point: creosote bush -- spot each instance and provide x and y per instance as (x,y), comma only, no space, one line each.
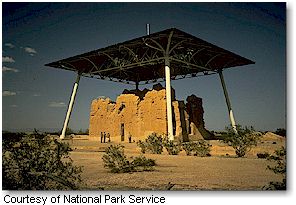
(279,158)
(264,155)
(37,162)
(173,148)
(281,132)
(115,160)
(152,144)
(155,143)
(141,163)
(242,141)
(142,146)
(199,148)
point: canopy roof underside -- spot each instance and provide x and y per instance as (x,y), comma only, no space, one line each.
(142,60)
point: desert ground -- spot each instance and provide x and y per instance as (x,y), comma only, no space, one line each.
(221,171)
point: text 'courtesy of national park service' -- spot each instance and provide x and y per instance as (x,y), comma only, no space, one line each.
(80,199)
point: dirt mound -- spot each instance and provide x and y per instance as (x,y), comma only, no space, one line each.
(269,136)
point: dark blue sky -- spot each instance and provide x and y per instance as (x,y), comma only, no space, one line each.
(33,34)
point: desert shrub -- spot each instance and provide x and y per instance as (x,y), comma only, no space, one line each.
(38,162)
(172,148)
(69,131)
(115,160)
(83,132)
(202,148)
(264,155)
(281,132)
(242,141)
(279,158)
(276,185)
(142,146)
(153,144)
(141,163)
(188,147)
(199,148)
(9,140)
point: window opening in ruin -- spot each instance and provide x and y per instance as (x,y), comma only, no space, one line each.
(122,106)
(122,131)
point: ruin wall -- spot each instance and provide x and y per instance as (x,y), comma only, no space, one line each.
(140,113)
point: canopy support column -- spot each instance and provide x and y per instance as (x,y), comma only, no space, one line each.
(169,99)
(137,85)
(70,106)
(230,112)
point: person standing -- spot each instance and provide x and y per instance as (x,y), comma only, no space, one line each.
(104,137)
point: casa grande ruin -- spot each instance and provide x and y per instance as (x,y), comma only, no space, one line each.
(163,56)
(137,114)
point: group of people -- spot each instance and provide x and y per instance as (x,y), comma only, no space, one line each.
(105,136)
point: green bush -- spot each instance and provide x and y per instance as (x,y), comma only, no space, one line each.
(153,144)
(188,148)
(264,155)
(142,146)
(37,162)
(242,141)
(199,148)
(279,158)
(83,132)
(172,148)
(141,163)
(115,160)
(281,132)
(69,131)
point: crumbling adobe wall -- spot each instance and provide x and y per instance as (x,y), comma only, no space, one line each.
(195,121)
(139,113)
(107,116)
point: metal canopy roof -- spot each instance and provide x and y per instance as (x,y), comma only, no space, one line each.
(141,60)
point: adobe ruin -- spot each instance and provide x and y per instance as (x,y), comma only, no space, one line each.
(139,113)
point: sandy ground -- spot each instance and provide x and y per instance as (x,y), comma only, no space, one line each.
(218,172)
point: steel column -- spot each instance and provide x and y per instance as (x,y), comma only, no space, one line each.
(137,85)
(230,112)
(169,99)
(148,28)
(70,106)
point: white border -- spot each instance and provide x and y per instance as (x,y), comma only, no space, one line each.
(213,197)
